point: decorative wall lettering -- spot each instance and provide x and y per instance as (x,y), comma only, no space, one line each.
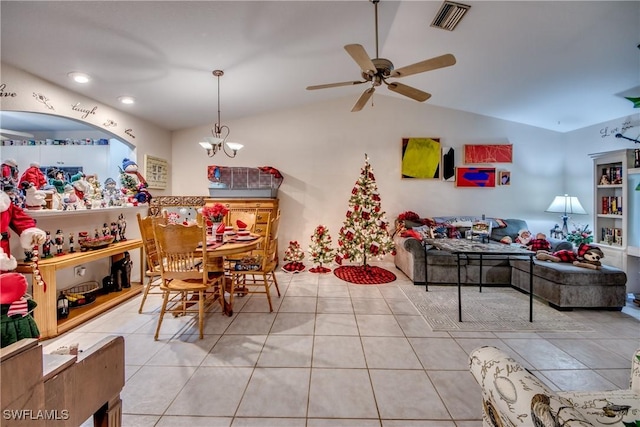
(43,99)
(86,111)
(110,124)
(624,126)
(6,94)
(130,133)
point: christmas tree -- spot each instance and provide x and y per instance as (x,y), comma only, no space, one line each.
(294,255)
(365,232)
(320,249)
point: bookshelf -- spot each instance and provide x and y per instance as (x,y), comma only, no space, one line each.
(612,199)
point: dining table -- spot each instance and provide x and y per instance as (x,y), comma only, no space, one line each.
(218,251)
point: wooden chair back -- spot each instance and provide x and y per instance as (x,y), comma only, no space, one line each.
(148,240)
(180,248)
(248,216)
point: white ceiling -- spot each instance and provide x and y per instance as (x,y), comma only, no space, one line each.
(560,65)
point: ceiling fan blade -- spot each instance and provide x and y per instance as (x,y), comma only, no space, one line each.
(426,65)
(409,91)
(361,57)
(363,99)
(328,85)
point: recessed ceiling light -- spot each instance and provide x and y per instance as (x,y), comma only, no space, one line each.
(79,77)
(127,99)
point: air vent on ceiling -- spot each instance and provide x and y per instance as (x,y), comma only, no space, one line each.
(449,15)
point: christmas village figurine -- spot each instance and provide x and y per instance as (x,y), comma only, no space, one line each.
(46,246)
(34,175)
(294,255)
(59,241)
(110,193)
(82,188)
(10,171)
(122,227)
(320,250)
(70,201)
(114,232)
(72,247)
(134,186)
(34,199)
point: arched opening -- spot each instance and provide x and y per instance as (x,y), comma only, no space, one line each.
(62,142)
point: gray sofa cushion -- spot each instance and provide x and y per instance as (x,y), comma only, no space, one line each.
(569,274)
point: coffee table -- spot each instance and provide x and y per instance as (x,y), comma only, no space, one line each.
(470,249)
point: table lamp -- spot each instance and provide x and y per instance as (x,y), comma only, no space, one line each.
(566,205)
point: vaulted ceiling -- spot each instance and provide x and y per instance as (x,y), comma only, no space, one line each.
(559,65)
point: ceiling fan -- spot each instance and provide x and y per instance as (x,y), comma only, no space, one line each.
(377,70)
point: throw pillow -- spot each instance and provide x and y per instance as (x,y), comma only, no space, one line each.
(411,233)
(424,231)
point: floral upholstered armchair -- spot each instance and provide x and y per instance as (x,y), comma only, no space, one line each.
(513,396)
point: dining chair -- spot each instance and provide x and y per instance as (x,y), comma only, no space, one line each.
(246,215)
(260,279)
(152,258)
(188,284)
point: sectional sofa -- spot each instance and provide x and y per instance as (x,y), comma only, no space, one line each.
(564,286)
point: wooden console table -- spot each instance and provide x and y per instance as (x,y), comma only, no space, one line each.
(45,313)
(62,390)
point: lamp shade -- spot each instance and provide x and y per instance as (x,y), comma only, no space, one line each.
(566,205)
(234,146)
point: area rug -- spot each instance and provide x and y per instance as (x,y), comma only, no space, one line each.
(493,309)
(361,275)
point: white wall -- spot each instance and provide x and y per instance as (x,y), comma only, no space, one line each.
(320,150)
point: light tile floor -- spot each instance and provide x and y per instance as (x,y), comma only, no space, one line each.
(336,354)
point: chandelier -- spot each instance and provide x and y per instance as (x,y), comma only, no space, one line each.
(218,141)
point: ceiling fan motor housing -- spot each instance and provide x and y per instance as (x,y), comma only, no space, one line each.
(384,67)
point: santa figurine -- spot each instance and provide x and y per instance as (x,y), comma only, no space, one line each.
(34,175)
(34,199)
(15,218)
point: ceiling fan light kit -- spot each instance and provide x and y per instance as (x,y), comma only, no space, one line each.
(218,142)
(376,71)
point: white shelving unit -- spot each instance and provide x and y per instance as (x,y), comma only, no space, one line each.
(617,224)
(611,205)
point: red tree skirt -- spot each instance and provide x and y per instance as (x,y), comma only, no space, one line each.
(294,267)
(319,269)
(364,275)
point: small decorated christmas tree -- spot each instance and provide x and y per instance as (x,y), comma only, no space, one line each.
(365,232)
(320,249)
(294,255)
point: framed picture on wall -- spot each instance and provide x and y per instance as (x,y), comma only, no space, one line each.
(488,153)
(156,172)
(421,158)
(475,177)
(504,178)
(448,164)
